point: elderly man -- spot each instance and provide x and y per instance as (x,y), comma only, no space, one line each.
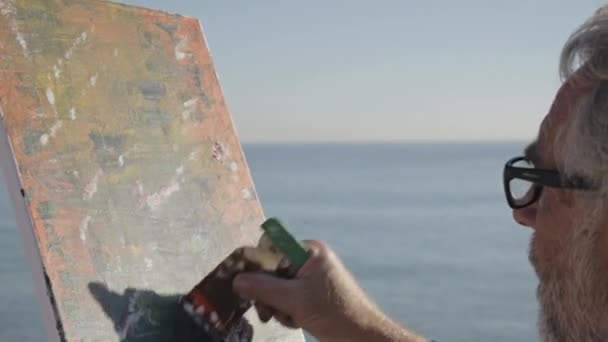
(559,189)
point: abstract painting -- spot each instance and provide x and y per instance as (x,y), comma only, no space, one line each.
(123,163)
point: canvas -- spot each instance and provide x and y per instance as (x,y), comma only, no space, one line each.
(125,170)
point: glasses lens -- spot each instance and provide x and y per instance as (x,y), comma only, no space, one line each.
(522,191)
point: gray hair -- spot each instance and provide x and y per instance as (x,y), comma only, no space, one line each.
(583,146)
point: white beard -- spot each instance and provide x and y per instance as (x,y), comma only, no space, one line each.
(574,298)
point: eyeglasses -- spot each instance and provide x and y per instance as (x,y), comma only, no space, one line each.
(524,183)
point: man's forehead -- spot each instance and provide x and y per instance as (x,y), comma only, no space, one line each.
(560,114)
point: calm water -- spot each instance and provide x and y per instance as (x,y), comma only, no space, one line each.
(425,229)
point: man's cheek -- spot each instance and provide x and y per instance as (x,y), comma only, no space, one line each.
(555,211)
(545,203)
(565,197)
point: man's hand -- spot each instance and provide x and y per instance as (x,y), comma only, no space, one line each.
(323,299)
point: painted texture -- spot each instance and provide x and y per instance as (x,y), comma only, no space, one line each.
(130,165)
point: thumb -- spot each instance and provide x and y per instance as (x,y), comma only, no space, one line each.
(266,289)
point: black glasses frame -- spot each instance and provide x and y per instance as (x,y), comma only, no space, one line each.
(539,178)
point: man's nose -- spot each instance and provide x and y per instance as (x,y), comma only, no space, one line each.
(525,216)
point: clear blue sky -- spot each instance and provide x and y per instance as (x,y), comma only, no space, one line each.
(386,70)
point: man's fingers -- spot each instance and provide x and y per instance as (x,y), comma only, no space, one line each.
(314,247)
(286,320)
(265,312)
(266,289)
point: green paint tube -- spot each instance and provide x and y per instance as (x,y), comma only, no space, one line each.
(285,242)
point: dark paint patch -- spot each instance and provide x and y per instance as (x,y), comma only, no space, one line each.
(197,78)
(205,185)
(107,150)
(31,140)
(46,210)
(170,29)
(107,160)
(39,14)
(218,152)
(152,41)
(106,141)
(153,90)
(198,117)
(158,64)
(209,101)
(70,176)
(154,117)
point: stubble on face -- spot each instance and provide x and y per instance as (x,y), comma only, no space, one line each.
(573,293)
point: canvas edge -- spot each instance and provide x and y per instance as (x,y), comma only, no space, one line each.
(124,6)
(25,226)
(298,332)
(241,150)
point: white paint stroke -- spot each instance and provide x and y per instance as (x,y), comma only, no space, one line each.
(68,53)
(149,263)
(179,53)
(91,189)
(246,194)
(192,156)
(189,107)
(190,103)
(93,80)
(140,188)
(115,52)
(44,139)
(234,167)
(56,71)
(121,160)
(78,41)
(156,199)
(55,128)
(73,113)
(7,9)
(84,227)
(50,96)
(21,40)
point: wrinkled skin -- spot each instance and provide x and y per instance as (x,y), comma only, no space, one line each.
(568,246)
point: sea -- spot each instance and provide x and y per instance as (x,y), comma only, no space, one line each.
(424,227)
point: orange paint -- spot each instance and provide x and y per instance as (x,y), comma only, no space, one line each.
(112,112)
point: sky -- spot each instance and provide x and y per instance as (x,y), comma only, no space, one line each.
(386,70)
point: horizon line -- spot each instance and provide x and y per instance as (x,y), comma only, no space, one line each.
(381,142)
